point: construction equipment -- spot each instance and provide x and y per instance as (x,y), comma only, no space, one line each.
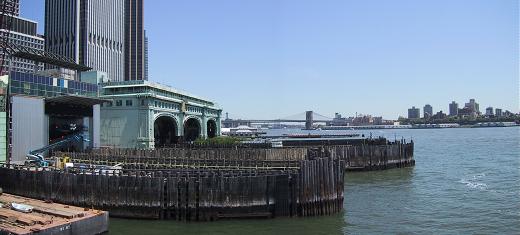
(62,162)
(36,157)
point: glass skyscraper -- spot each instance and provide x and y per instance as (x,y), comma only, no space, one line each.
(135,41)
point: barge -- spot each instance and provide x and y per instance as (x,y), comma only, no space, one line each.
(21,215)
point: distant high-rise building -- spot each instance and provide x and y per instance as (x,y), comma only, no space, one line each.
(23,34)
(489,111)
(145,56)
(414,113)
(498,112)
(91,32)
(135,63)
(473,106)
(454,109)
(427,111)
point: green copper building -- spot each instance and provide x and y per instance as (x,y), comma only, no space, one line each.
(144,114)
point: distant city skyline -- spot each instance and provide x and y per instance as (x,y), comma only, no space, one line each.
(270,59)
(453,110)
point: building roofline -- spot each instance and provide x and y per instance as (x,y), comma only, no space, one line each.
(141,83)
(26,35)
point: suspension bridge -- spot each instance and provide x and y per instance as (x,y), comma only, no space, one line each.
(307,117)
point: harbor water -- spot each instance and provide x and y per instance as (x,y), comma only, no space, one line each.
(465,181)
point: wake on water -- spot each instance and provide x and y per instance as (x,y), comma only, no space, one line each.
(473,182)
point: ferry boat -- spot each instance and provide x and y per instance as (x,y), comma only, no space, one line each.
(242,131)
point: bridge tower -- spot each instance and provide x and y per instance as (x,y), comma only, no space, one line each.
(308,120)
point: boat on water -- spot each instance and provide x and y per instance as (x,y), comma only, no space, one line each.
(242,131)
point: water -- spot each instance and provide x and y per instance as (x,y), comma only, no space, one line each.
(466,181)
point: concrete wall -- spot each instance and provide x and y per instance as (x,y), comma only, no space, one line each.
(30,126)
(119,127)
(96,126)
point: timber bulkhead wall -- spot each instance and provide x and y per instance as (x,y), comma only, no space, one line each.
(359,157)
(189,194)
(210,183)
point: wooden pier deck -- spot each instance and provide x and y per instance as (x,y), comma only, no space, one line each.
(49,218)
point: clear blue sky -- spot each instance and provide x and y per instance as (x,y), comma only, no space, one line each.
(275,58)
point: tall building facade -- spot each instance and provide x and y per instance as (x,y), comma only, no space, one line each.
(135,46)
(454,108)
(414,113)
(498,112)
(91,32)
(16,6)
(145,56)
(489,111)
(473,106)
(427,111)
(23,33)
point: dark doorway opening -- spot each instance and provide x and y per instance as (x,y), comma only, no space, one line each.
(212,129)
(191,129)
(62,128)
(165,131)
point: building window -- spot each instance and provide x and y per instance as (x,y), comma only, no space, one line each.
(142,102)
(128,102)
(119,103)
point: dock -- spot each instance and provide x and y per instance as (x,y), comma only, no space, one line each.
(49,218)
(189,188)
(207,183)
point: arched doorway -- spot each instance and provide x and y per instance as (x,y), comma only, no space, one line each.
(191,129)
(165,131)
(212,128)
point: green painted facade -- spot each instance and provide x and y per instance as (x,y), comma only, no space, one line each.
(130,119)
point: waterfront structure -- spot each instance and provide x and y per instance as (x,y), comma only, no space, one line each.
(454,109)
(144,114)
(23,34)
(45,109)
(498,112)
(80,30)
(414,113)
(242,131)
(435,126)
(494,124)
(489,111)
(135,46)
(243,181)
(427,111)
